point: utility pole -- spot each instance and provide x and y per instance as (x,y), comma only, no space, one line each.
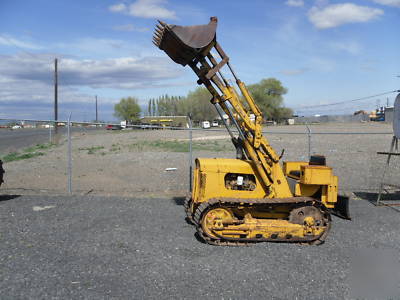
(55,96)
(378,104)
(97,116)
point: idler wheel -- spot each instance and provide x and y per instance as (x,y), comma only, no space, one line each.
(215,218)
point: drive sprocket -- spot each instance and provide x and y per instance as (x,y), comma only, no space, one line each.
(321,219)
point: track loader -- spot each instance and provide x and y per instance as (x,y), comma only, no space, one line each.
(251,198)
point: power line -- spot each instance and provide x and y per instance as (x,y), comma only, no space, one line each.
(347,101)
(15,45)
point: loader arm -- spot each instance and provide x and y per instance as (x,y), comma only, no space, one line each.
(193,46)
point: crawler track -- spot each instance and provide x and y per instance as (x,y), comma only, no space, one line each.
(1,172)
(186,205)
(292,203)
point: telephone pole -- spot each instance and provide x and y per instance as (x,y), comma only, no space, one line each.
(97,116)
(55,95)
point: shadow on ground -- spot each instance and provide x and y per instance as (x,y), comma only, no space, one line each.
(372,196)
(8,197)
(387,199)
(178,200)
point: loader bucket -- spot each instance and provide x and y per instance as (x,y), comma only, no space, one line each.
(341,208)
(184,43)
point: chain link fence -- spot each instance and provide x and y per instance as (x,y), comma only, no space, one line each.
(155,161)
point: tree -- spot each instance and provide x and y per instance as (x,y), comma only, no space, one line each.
(127,109)
(149,108)
(268,96)
(199,105)
(153,107)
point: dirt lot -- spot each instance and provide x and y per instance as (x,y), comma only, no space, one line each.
(134,162)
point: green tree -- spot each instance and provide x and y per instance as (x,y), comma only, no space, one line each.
(199,105)
(127,109)
(153,108)
(149,108)
(268,94)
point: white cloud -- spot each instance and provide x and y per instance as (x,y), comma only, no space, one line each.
(30,77)
(296,3)
(120,7)
(395,3)
(130,28)
(294,72)
(339,14)
(95,47)
(320,64)
(351,47)
(6,40)
(145,9)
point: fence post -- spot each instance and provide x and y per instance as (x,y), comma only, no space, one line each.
(50,137)
(309,140)
(190,153)
(69,154)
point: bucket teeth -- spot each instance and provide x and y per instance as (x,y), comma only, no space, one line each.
(160,28)
(157,41)
(159,33)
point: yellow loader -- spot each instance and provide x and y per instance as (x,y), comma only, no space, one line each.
(252,198)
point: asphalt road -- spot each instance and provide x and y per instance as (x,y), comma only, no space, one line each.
(15,139)
(97,248)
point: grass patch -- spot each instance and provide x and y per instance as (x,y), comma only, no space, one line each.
(13,156)
(38,147)
(27,153)
(180,146)
(115,147)
(91,150)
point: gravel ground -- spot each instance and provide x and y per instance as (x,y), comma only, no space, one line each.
(118,247)
(122,162)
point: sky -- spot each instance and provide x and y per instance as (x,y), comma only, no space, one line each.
(322,51)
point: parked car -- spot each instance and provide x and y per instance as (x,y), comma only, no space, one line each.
(16,127)
(113,127)
(205,124)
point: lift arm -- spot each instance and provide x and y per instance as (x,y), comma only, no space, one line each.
(193,46)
